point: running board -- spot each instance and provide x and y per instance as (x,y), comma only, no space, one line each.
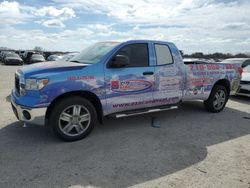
(145,112)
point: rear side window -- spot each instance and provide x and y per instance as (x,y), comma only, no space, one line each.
(137,54)
(163,54)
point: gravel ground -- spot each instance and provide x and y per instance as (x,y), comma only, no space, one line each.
(192,148)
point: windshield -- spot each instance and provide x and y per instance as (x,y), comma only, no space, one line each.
(94,53)
(247,69)
(12,55)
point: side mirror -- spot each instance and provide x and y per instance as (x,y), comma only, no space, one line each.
(119,61)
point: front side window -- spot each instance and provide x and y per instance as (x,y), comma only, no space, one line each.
(137,54)
(163,54)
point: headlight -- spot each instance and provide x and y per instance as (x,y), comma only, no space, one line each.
(35,84)
(21,84)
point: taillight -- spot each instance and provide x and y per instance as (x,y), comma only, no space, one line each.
(240,70)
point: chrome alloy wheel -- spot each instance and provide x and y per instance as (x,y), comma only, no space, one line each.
(219,99)
(74,120)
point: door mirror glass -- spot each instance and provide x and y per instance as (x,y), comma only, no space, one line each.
(119,61)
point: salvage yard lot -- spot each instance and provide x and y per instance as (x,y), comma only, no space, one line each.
(192,148)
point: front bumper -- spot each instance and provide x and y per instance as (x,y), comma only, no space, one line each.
(12,62)
(29,115)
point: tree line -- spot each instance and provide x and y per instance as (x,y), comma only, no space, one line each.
(216,55)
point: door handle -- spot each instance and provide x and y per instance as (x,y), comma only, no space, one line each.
(148,73)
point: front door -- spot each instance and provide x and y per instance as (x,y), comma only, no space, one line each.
(130,87)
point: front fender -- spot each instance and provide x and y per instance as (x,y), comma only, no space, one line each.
(91,84)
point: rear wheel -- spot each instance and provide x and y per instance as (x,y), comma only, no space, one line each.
(72,118)
(217,99)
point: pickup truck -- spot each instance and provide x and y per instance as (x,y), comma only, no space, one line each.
(117,79)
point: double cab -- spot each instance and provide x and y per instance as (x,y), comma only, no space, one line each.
(117,79)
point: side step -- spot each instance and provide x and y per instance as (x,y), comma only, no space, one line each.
(131,113)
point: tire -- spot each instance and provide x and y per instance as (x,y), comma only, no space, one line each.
(217,100)
(66,115)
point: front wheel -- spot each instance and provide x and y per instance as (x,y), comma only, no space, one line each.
(217,99)
(72,118)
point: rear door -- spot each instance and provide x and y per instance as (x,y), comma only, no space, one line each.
(169,79)
(130,87)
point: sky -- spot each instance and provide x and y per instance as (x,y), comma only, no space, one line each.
(71,25)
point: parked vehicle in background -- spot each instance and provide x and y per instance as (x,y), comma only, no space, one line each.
(243,61)
(27,56)
(21,52)
(117,79)
(54,57)
(68,56)
(12,59)
(36,58)
(3,54)
(244,88)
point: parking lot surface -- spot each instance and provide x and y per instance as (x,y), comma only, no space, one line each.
(192,148)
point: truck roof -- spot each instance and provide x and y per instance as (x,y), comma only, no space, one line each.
(140,41)
(156,41)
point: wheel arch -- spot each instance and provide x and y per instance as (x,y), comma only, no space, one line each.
(85,94)
(224,82)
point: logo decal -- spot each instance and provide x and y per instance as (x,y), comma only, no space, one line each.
(114,85)
(130,85)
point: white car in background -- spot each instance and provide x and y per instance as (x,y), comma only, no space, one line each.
(245,82)
(244,88)
(243,61)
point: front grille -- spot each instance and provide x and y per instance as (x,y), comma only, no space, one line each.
(244,82)
(17,84)
(16,61)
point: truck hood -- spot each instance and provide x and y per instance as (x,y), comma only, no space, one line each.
(50,67)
